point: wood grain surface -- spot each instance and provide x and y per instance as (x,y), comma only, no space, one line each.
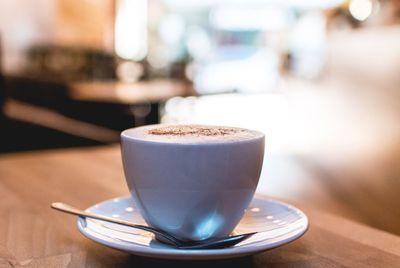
(33,235)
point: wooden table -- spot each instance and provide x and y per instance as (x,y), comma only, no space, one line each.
(153,91)
(33,235)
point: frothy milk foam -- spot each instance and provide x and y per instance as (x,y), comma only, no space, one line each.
(191,134)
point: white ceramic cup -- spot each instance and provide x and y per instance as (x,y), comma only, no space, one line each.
(193,191)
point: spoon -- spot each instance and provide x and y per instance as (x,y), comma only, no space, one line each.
(203,244)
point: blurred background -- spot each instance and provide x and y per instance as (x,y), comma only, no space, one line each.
(321,78)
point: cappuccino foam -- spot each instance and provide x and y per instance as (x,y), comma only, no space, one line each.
(191,133)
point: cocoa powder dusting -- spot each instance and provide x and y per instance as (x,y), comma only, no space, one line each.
(193,131)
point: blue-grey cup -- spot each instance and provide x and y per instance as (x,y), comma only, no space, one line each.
(194,189)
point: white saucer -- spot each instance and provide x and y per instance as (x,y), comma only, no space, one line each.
(276,223)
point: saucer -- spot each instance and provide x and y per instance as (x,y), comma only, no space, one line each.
(277,223)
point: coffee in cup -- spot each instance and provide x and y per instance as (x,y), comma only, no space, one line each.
(192,181)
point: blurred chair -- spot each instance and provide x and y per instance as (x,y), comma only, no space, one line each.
(44,110)
(64,63)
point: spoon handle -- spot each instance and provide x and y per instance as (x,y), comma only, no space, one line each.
(75,211)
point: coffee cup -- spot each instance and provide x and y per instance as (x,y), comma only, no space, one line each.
(192,181)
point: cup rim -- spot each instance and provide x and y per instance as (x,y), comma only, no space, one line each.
(124,136)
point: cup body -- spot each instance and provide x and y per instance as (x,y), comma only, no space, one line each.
(192,191)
